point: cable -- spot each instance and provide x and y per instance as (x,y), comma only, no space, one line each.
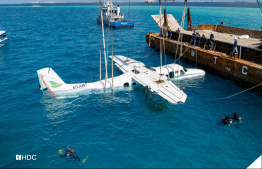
(139,30)
(128,30)
(240,92)
(151,51)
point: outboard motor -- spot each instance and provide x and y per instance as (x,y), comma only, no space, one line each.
(227,120)
(236,116)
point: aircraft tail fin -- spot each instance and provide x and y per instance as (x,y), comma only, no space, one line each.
(49,79)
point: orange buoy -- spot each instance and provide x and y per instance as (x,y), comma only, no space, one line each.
(183,88)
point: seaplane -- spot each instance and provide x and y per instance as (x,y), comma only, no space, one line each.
(135,73)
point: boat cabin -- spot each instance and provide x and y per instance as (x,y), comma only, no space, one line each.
(115,16)
(2,35)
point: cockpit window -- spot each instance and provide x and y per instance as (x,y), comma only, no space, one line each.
(171,75)
(185,70)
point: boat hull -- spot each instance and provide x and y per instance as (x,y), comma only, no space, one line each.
(123,24)
(2,43)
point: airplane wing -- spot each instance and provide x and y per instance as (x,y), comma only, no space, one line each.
(165,89)
(149,78)
(126,64)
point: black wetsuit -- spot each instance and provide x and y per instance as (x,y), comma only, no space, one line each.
(236,116)
(226,120)
(71,155)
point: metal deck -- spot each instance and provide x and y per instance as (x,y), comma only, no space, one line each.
(223,37)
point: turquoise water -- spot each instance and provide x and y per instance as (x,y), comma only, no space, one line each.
(123,129)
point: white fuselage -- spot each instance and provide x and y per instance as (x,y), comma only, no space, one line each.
(135,74)
(177,72)
(50,80)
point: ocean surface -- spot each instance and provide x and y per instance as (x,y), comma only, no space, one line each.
(122,129)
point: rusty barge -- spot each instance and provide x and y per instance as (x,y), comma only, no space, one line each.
(245,68)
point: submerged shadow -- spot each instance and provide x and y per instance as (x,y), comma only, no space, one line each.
(156,106)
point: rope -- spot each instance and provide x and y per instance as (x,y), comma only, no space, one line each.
(240,92)
(164,40)
(112,60)
(128,30)
(182,54)
(139,30)
(103,42)
(100,55)
(160,38)
(180,38)
(164,51)
(109,18)
(181,19)
(152,51)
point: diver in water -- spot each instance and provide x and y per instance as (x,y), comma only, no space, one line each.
(227,120)
(236,116)
(70,153)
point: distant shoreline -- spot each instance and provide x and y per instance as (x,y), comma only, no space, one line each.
(203,4)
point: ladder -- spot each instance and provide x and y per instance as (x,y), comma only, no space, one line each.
(259,4)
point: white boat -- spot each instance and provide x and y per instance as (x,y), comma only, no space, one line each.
(135,74)
(36,6)
(177,72)
(3,38)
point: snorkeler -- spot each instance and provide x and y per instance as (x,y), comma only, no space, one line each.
(226,120)
(70,153)
(236,116)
